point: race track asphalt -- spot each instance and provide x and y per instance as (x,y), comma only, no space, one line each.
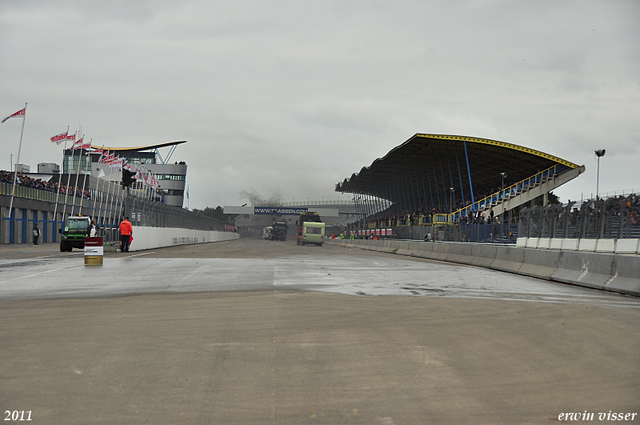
(259,332)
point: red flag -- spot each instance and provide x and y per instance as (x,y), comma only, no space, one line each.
(71,137)
(18,114)
(104,155)
(78,144)
(57,139)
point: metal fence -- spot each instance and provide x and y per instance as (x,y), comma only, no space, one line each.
(612,218)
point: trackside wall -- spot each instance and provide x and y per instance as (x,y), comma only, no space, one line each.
(159,237)
(606,271)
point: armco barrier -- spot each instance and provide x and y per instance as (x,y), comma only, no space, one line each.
(600,270)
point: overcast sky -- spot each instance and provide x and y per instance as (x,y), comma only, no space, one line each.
(284,99)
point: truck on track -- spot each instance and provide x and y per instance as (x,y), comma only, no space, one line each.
(279,232)
(310,229)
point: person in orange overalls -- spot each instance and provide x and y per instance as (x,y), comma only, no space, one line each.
(126,230)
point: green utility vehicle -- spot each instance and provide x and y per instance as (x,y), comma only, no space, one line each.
(73,234)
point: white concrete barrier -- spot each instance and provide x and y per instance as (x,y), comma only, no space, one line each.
(544,243)
(570,244)
(159,237)
(628,246)
(587,245)
(532,243)
(606,245)
(555,243)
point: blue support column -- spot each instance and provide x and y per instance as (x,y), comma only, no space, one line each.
(460,178)
(44,227)
(466,155)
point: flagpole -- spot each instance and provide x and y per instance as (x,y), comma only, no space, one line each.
(55,210)
(15,173)
(75,187)
(66,191)
(93,212)
(84,181)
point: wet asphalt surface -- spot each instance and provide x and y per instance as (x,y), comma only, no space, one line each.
(28,272)
(253,332)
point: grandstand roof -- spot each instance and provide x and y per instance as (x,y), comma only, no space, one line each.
(422,170)
(141,148)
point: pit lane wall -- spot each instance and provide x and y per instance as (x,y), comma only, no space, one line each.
(609,271)
(160,237)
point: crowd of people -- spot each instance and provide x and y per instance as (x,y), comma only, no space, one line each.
(26,181)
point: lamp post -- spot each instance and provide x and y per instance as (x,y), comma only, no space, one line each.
(504,176)
(453,202)
(599,154)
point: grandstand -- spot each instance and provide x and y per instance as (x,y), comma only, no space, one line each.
(435,179)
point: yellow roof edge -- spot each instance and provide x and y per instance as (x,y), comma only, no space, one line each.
(500,144)
(141,148)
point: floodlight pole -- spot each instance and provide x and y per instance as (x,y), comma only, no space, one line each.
(599,153)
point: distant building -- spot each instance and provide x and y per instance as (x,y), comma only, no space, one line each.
(48,168)
(23,168)
(172,176)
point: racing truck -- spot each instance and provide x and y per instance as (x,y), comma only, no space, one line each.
(279,230)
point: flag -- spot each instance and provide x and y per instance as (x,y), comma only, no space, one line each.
(71,137)
(57,139)
(80,144)
(18,114)
(104,156)
(98,150)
